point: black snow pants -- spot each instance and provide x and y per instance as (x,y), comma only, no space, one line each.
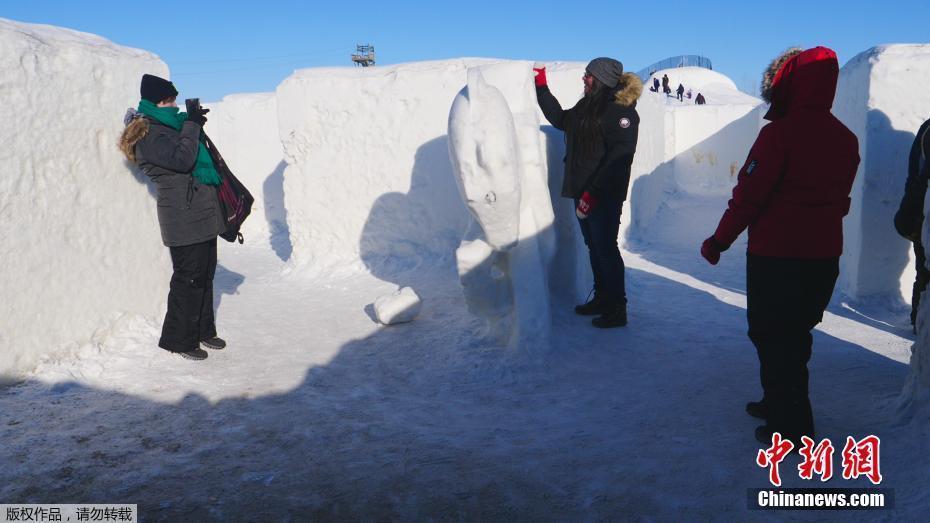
(920,283)
(190,301)
(786,298)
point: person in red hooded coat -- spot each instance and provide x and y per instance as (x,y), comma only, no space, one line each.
(792,193)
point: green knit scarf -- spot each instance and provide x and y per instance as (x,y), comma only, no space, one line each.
(204,170)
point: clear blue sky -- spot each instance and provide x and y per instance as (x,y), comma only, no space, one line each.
(216,48)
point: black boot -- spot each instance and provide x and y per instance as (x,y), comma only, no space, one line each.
(196,354)
(213,343)
(596,306)
(757,409)
(613,316)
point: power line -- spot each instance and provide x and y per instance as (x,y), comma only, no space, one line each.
(219,71)
(260,58)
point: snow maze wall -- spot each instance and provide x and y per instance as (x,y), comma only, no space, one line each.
(81,243)
(352,169)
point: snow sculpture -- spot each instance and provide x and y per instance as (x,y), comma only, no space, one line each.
(499,166)
(485,160)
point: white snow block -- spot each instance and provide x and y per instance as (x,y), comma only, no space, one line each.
(877,99)
(245,128)
(400,307)
(81,241)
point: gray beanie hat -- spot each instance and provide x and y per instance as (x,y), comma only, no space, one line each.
(607,70)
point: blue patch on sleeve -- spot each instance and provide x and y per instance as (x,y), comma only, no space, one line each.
(751,167)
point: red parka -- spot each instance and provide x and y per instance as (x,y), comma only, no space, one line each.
(793,191)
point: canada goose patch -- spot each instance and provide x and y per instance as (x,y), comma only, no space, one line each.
(624,122)
(751,167)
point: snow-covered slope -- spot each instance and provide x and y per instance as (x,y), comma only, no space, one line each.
(81,241)
(688,157)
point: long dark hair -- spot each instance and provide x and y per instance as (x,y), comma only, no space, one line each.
(590,110)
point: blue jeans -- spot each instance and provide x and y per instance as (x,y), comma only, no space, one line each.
(600,230)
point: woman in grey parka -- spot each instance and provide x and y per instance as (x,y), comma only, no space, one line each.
(166,145)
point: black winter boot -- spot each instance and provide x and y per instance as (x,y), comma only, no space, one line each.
(596,306)
(213,343)
(757,409)
(194,354)
(613,316)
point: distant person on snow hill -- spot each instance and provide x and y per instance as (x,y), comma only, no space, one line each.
(655,84)
(688,93)
(700,99)
(680,92)
(601,131)
(909,219)
(166,145)
(665,87)
(792,194)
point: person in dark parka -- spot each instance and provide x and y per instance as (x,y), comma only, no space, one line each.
(680,92)
(601,132)
(665,86)
(655,84)
(700,100)
(166,145)
(909,219)
(792,194)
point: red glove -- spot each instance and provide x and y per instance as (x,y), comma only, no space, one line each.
(540,73)
(586,204)
(711,250)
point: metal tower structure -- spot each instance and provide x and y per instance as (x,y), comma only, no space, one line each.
(364,55)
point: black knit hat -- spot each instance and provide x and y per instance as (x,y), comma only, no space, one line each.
(607,70)
(155,89)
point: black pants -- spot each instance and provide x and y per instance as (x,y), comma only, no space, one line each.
(600,230)
(920,283)
(786,298)
(190,301)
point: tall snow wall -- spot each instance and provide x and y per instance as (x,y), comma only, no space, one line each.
(81,241)
(881,98)
(245,129)
(368,178)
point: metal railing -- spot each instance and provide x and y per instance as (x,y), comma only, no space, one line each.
(688,60)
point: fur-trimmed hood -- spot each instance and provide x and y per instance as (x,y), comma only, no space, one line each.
(800,79)
(136,129)
(768,76)
(629,89)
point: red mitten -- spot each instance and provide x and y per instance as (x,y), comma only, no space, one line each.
(711,250)
(540,73)
(586,204)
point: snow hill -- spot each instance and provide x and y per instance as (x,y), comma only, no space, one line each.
(495,402)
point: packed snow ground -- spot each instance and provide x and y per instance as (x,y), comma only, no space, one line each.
(316,410)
